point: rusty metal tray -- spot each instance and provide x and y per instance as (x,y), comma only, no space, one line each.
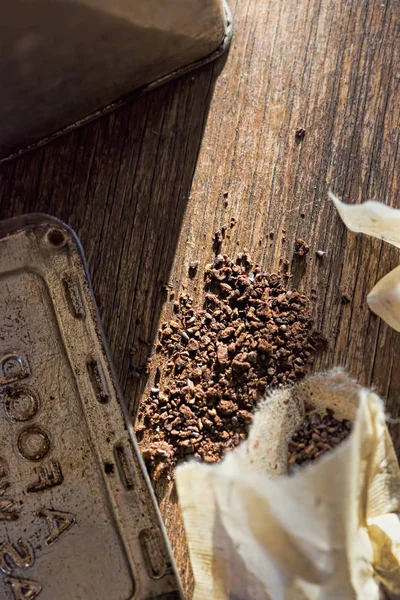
(78,518)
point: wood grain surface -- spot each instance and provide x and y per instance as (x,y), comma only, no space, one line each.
(130,186)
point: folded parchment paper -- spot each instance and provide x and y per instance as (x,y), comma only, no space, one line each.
(329,531)
(383,222)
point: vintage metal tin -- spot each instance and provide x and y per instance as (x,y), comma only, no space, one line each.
(65,63)
(78,518)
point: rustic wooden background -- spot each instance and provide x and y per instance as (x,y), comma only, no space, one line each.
(130,186)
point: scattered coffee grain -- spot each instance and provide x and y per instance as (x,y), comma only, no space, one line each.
(317,435)
(301,248)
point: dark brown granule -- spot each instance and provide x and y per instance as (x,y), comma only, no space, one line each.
(346,298)
(301,248)
(317,435)
(285,265)
(193,266)
(218,238)
(216,363)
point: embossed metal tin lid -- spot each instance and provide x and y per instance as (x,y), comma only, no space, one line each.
(78,518)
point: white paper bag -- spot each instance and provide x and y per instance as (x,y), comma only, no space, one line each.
(330,531)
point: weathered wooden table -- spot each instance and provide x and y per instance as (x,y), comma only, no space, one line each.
(130,186)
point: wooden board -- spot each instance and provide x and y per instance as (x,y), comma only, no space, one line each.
(125,183)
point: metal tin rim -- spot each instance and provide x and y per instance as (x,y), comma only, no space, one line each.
(11,227)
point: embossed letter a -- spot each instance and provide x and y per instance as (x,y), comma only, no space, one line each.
(23,588)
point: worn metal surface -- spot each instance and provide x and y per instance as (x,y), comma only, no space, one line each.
(65,63)
(77,517)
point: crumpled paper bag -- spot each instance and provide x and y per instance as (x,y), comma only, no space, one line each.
(329,531)
(383,222)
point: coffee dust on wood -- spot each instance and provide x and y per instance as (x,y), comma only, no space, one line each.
(216,363)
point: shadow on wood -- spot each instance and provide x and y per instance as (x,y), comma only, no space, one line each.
(123,184)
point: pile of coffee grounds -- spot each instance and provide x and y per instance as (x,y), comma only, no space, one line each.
(317,435)
(216,363)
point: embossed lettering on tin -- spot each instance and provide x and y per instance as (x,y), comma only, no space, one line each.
(7,510)
(57,522)
(23,589)
(18,555)
(13,367)
(20,403)
(33,443)
(48,476)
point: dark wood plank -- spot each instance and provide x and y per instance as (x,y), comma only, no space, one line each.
(125,184)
